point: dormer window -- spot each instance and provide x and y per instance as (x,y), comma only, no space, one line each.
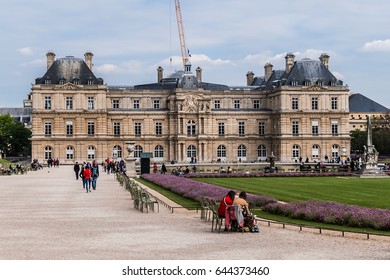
(90,81)
(294,83)
(47,82)
(76,81)
(62,81)
(307,83)
(320,83)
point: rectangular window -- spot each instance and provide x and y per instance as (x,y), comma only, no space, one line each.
(334,103)
(335,128)
(115,104)
(294,103)
(90,82)
(261,128)
(69,128)
(137,128)
(256,104)
(314,128)
(158,128)
(136,103)
(295,128)
(47,128)
(217,104)
(69,103)
(117,128)
(156,104)
(91,102)
(241,128)
(236,104)
(314,103)
(48,102)
(91,128)
(221,129)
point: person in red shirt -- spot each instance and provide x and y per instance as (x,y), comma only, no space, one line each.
(87,178)
(227,200)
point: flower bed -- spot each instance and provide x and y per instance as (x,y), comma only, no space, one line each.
(197,190)
(333,213)
(315,211)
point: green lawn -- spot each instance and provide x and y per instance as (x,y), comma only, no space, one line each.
(373,193)
(185,202)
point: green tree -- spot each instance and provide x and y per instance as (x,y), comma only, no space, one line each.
(14,137)
(358,140)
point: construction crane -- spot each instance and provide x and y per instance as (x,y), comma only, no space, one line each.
(184,50)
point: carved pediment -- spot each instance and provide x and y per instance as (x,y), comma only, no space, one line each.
(68,86)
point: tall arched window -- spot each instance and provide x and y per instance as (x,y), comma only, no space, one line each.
(138,150)
(221,151)
(335,151)
(315,151)
(241,151)
(48,152)
(295,151)
(191,152)
(159,151)
(262,152)
(191,128)
(91,153)
(117,152)
(69,152)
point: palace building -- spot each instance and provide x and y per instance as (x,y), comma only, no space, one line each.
(298,112)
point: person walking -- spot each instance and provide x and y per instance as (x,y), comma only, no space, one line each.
(163,169)
(76,169)
(87,178)
(95,174)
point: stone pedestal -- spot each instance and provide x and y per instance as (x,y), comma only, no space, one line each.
(370,167)
(130,160)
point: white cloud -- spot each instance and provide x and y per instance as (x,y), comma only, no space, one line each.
(26,51)
(377,46)
(106,68)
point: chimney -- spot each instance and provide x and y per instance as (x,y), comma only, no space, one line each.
(325,59)
(50,59)
(249,78)
(199,74)
(267,71)
(88,59)
(289,62)
(160,72)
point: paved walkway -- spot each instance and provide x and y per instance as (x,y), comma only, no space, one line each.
(47,215)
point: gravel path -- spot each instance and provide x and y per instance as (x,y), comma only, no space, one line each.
(47,215)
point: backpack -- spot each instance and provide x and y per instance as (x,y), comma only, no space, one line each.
(95,172)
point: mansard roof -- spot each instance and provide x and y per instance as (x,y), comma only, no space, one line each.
(308,70)
(304,72)
(69,69)
(360,103)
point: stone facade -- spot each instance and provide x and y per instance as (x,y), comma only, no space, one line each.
(182,119)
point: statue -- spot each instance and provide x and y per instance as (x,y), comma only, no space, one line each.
(130,160)
(371,155)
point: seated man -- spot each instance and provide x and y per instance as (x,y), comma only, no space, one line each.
(241,200)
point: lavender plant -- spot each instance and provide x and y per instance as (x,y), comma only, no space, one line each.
(197,190)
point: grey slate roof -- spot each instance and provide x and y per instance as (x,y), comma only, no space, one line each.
(309,70)
(303,72)
(361,103)
(68,69)
(16,111)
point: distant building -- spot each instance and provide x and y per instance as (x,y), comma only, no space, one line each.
(298,112)
(360,107)
(22,115)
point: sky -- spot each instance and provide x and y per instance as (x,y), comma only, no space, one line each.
(130,39)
